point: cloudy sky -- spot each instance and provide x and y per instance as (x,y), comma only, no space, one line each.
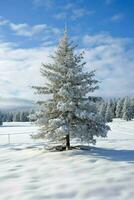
(30,30)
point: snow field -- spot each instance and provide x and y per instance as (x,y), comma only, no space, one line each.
(104,172)
(19,132)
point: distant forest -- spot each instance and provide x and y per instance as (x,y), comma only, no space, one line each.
(108,109)
(16,116)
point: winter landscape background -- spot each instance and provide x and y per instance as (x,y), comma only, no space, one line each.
(72,110)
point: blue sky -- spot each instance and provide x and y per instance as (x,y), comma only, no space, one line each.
(30,30)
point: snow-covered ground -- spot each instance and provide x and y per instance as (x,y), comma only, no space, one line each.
(19,132)
(104,172)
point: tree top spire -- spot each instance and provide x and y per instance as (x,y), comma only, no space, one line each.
(65,27)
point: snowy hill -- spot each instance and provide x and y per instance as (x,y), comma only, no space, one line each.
(104,172)
(14,103)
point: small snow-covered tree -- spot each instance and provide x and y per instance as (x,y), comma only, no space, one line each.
(69,111)
(119,108)
(127,109)
(102,109)
(109,112)
(132,107)
(1,119)
(32,116)
(24,116)
(112,105)
(16,117)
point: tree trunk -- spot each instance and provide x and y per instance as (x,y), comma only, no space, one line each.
(67,142)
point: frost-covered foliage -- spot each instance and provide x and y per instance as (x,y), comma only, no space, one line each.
(109,115)
(132,107)
(0,118)
(102,109)
(113,103)
(127,109)
(119,108)
(107,110)
(15,116)
(70,111)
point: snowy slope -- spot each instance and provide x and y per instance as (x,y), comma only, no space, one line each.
(15,103)
(104,172)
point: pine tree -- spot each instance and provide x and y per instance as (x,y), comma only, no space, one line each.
(127,112)
(119,108)
(132,107)
(32,116)
(102,109)
(16,117)
(109,112)
(1,119)
(114,104)
(69,112)
(112,108)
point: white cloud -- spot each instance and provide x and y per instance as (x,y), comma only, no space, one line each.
(71,10)
(68,6)
(114,63)
(27,30)
(74,14)
(117,17)
(60,15)
(24,29)
(80,12)
(103,38)
(3,21)
(20,69)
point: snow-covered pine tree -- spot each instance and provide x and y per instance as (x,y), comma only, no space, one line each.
(1,119)
(132,105)
(111,102)
(16,116)
(114,104)
(9,117)
(119,108)
(127,109)
(32,116)
(109,112)
(102,109)
(69,112)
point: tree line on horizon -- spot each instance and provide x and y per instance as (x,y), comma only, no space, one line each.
(15,116)
(117,108)
(109,109)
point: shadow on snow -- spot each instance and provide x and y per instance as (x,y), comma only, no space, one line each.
(105,153)
(121,155)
